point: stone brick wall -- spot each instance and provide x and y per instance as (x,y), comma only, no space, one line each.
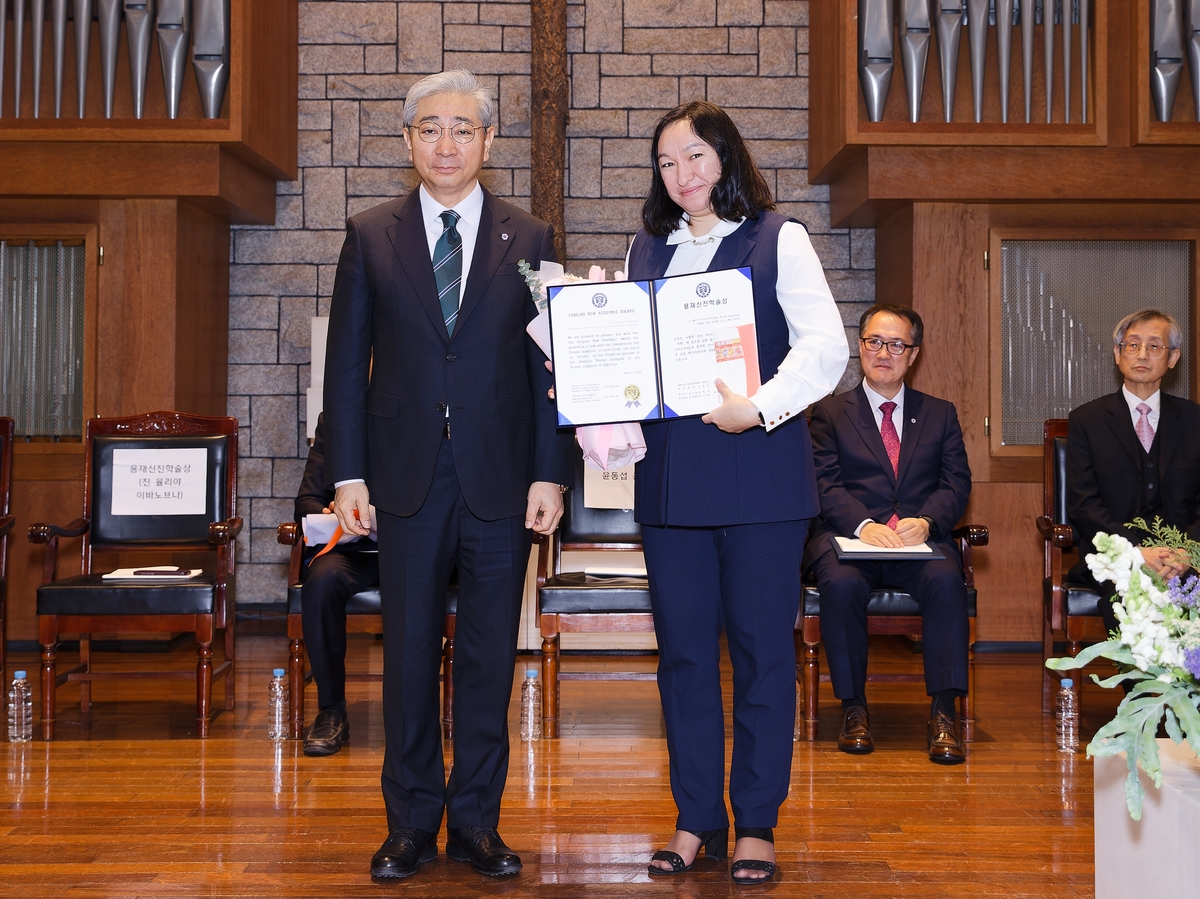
(629,59)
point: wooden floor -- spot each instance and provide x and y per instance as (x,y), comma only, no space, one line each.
(135,806)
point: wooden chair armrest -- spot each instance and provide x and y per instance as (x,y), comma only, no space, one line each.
(545,547)
(6,525)
(288,533)
(1059,535)
(44,532)
(973,534)
(222,533)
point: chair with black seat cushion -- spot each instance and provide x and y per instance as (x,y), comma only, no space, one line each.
(364,615)
(6,525)
(159,485)
(1068,607)
(580,603)
(889,611)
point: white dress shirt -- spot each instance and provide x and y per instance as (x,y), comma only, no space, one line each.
(1154,401)
(876,400)
(819,352)
(469,210)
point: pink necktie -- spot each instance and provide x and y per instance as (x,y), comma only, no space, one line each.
(891,443)
(1145,432)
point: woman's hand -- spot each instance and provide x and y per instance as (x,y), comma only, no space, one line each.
(735,414)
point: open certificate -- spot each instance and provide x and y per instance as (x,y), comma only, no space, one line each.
(641,350)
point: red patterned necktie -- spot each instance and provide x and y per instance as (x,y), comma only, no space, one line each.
(891,443)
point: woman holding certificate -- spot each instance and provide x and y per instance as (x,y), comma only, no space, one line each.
(724,499)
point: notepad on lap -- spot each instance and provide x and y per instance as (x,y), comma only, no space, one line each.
(851,548)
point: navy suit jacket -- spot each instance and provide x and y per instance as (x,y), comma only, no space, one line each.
(1104,468)
(385,423)
(855,479)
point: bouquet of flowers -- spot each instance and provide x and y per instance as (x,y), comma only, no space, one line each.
(1156,648)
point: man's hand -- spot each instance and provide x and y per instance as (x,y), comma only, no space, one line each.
(881,535)
(352,506)
(912,531)
(545,507)
(1166,562)
(735,414)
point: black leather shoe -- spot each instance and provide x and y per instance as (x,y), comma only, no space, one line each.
(855,737)
(945,745)
(329,732)
(483,848)
(403,852)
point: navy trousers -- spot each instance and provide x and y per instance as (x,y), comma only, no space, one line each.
(745,578)
(416,555)
(940,593)
(331,581)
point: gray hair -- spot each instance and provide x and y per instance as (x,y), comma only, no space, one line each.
(1174,339)
(457,81)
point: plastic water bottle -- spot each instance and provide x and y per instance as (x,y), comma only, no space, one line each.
(531,707)
(277,706)
(20,710)
(1067,718)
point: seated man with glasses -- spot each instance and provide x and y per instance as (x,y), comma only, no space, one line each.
(1134,453)
(891,470)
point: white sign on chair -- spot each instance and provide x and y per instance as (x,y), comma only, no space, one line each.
(159,481)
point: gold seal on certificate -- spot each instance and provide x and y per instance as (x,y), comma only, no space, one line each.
(632,395)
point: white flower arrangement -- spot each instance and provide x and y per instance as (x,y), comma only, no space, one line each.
(1156,649)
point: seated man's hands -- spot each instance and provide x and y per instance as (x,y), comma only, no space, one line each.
(909,532)
(1166,562)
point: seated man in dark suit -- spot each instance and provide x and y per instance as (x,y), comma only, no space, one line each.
(331,580)
(1134,453)
(891,470)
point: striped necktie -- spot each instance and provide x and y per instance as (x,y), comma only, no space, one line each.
(447,268)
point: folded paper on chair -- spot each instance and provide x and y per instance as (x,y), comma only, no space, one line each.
(319,528)
(153,573)
(851,548)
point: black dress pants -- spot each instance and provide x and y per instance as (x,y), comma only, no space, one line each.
(330,582)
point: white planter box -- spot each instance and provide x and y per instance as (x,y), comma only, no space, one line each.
(1155,856)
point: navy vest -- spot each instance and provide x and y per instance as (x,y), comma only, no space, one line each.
(696,475)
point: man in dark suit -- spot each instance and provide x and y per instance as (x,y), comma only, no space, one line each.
(437,412)
(891,470)
(1133,453)
(329,582)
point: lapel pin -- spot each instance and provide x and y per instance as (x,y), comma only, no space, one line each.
(912,421)
(504,236)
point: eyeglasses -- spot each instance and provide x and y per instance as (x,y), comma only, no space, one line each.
(1132,348)
(895,347)
(460,132)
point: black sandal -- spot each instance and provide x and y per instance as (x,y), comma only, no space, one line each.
(715,844)
(753,864)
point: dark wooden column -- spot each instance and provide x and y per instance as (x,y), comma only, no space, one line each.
(548,101)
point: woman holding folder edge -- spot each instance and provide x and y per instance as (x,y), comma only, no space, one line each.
(724,500)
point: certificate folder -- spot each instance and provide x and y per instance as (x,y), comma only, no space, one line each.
(848,549)
(627,351)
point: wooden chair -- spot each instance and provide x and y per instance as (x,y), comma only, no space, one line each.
(1069,608)
(6,525)
(889,611)
(364,615)
(88,603)
(572,602)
